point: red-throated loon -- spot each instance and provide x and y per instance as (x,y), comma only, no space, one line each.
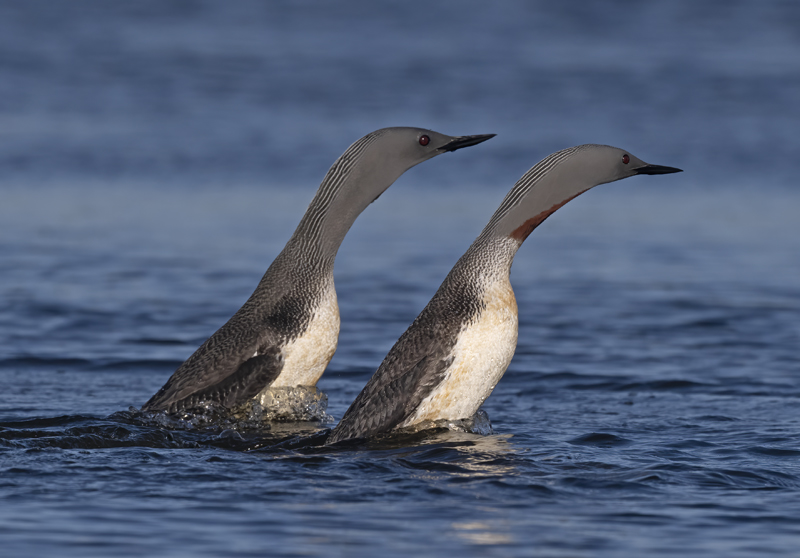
(449,360)
(287,331)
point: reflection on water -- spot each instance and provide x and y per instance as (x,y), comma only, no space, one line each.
(483,533)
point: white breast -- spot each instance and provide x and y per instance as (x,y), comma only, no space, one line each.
(306,357)
(482,353)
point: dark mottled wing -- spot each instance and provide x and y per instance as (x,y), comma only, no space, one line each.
(260,327)
(245,383)
(220,363)
(413,368)
(417,363)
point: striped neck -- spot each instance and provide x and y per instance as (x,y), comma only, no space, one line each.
(487,260)
(538,194)
(535,196)
(339,200)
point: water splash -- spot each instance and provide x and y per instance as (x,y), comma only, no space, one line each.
(290,404)
(478,423)
(276,405)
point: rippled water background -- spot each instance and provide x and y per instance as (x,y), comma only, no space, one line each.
(154,157)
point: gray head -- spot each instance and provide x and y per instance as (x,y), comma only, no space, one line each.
(368,168)
(557,179)
(380,158)
(390,152)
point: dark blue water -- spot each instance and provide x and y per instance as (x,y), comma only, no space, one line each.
(154,158)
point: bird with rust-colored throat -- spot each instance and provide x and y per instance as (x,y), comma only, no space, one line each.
(449,360)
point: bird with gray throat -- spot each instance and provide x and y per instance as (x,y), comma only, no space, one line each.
(287,331)
(449,360)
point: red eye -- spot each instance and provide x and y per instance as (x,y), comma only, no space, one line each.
(626,159)
(424,140)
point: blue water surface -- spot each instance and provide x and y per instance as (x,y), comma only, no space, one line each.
(156,156)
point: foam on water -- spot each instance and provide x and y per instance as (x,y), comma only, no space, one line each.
(291,404)
(283,404)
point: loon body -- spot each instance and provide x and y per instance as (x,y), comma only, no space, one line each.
(449,360)
(287,331)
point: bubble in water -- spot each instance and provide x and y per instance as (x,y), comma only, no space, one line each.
(291,404)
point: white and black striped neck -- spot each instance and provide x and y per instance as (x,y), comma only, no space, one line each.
(557,179)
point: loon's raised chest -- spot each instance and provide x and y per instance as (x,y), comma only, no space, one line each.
(481,356)
(307,356)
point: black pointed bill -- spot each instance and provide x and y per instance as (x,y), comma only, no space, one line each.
(656,169)
(465,141)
